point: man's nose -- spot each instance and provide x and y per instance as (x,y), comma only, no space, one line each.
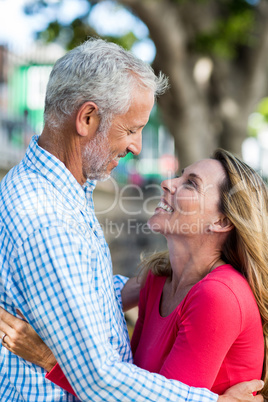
(136,144)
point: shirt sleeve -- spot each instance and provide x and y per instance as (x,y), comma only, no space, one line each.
(53,271)
(209,324)
(119,283)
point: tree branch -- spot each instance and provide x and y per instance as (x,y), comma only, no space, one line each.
(170,37)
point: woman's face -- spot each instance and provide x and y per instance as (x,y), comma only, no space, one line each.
(189,205)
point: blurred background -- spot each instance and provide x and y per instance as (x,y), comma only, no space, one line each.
(215,53)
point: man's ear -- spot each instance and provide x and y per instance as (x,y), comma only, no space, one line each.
(222,225)
(87,119)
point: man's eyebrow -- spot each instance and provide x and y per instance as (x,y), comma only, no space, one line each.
(192,175)
(137,127)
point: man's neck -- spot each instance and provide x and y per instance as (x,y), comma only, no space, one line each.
(66,147)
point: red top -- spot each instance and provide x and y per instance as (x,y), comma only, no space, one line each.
(213,339)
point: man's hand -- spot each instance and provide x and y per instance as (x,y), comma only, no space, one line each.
(242,392)
(21,339)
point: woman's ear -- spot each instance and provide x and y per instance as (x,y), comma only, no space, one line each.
(222,225)
(87,119)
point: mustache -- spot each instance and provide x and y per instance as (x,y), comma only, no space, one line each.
(123,154)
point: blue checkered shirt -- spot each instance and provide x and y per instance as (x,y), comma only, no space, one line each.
(56,268)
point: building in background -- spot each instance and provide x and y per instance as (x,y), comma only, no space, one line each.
(23,78)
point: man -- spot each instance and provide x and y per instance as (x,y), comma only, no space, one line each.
(56,265)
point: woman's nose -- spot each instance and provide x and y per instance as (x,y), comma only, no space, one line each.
(169,185)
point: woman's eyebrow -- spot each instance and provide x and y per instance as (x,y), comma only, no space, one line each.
(193,175)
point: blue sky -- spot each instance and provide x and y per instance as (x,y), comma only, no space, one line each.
(17,29)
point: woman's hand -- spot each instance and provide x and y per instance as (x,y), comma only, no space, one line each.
(21,339)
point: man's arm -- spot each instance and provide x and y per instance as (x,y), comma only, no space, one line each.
(21,339)
(64,301)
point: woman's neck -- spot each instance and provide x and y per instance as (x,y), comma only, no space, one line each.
(187,269)
(191,262)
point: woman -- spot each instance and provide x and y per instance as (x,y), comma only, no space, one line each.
(203,312)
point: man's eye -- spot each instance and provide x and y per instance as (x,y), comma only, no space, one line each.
(131,132)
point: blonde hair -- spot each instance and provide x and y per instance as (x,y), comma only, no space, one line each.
(244,201)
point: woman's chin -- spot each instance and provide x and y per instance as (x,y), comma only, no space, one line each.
(154,225)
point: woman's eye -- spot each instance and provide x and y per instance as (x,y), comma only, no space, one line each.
(191,183)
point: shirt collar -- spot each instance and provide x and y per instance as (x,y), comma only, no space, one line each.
(38,159)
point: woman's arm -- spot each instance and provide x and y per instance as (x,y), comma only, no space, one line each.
(19,332)
(139,323)
(21,339)
(130,293)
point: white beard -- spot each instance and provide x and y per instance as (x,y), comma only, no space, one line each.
(96,157)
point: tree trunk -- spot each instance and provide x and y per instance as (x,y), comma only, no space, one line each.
(202,118)
(233,36)
(192,131)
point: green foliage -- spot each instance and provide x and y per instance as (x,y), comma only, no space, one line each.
(263,108)
(78,31)
(71,35)
(233,22)
(227,35)
(51,33)
(259,119)
(256,122)
(126,41)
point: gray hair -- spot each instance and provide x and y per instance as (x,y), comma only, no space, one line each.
(100,72)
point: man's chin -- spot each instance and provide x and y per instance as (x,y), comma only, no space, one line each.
(103,176)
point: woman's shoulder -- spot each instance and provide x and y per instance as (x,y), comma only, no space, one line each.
(155,280)
(225,295)
(226,286)
(229,276)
